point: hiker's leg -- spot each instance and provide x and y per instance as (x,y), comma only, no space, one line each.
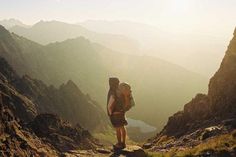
(123,134)
(118,134)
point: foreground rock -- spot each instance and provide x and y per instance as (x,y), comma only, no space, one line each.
(133,151)
(61,134)
(130,151)
(16,140)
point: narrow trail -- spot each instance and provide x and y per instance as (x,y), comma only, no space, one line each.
(129,151)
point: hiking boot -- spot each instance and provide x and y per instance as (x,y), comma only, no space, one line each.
(118,146)
(123,145)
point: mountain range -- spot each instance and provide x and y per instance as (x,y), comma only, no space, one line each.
(193,50)
(90,65)
(134,38)
(8,23)
(41,115)
(49,99)
(45,32)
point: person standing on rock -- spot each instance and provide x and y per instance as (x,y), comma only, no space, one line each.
(119,100)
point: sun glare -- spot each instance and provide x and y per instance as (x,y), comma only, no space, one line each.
(179,6)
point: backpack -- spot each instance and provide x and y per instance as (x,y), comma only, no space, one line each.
(132,104)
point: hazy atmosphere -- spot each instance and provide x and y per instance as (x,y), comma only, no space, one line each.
(117,77)
(156,24)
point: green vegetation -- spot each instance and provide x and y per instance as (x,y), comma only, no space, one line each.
(106,138)
(220,144)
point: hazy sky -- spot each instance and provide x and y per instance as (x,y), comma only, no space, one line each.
(213,17)
(211,20)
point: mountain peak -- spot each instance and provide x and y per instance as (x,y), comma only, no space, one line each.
(70,86)
(8,23)
(70,83)
(46,23)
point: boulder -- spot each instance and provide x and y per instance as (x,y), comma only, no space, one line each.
(147,145)
(61,134)
(130,151)
(103,151)
(210,131)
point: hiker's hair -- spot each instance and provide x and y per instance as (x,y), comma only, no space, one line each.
(113,83)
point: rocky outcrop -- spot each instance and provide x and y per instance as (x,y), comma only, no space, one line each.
(222,86)
(133,151)
(205,116)
(20,105)
(218,105)
(15,111)
(190,119)
(67,100)
(61,134)
(25,132)
(17,141)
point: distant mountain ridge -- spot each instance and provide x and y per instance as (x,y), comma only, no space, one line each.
(89,65)
(193,50)
(65,101)
(8,23)
(135,38)
(45,32)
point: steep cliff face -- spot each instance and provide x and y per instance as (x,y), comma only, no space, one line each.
(218,105)
(190,119)
(206,116)
(222,86)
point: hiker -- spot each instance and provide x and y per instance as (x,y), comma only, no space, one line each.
(119,100)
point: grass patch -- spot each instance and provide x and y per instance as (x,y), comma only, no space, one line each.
(220,144)
(106,138)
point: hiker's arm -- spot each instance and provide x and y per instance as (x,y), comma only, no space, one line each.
(111,104)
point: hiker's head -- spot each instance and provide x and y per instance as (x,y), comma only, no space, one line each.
(125,88)
(113,83)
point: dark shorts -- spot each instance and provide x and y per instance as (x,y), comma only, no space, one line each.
(118,120)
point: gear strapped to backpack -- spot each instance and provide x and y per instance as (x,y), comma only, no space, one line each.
(126,86)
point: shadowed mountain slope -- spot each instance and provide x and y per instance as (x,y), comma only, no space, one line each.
(25,132)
